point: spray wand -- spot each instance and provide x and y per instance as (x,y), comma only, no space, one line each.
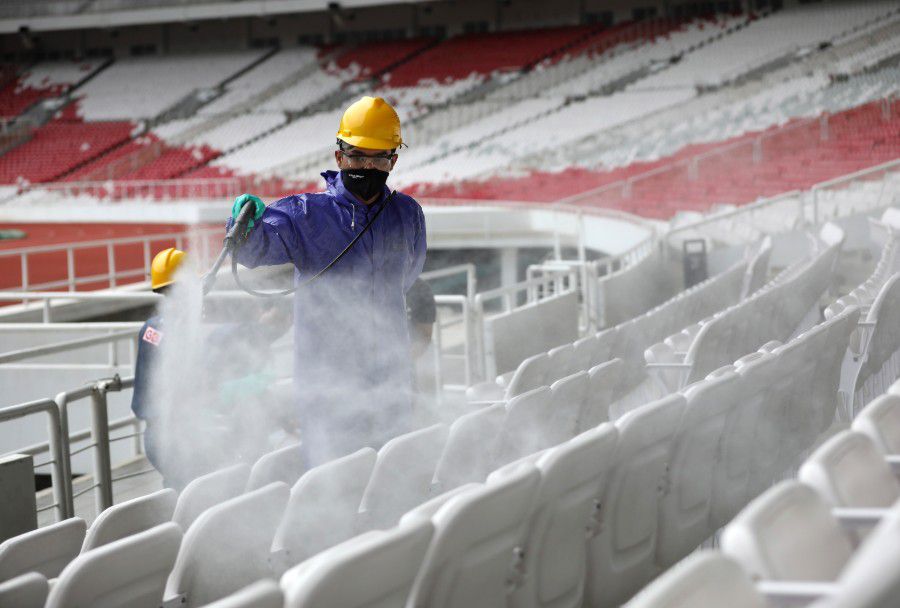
(234,238)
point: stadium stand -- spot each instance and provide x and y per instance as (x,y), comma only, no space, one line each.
(631,421)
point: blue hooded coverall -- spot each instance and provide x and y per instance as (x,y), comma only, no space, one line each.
(352,365)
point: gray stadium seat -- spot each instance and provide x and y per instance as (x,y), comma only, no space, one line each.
(207,491)
(788,534)
(402,476)
(477,544)
(261,594)
(375,569)
(323,506)
(228,547)
(849,471)
(702,580)
(24,591)
(880,421)
(573,478)
(532,373)
(686,508)
(130,517)
(525,429)
(129,572)
(622,547)
(285,464)
(871,579)
(603,390)
(46,550)
(569,397)
(469,452)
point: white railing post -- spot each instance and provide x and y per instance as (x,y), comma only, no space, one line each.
(70,267)
(111,264)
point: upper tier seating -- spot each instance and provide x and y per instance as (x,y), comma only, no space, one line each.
(460,56)
(136,88)
(373,58)
(60,146)
(271,72)
(768,39)
(41,81)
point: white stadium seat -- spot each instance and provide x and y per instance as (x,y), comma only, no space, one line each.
(286,464)
(525,429)
(849,471)
(207,491)
(323,506)
(573,478)
(46,550)
(622,546)
(402,476)
(469,451)
(702,580)
(130,517)
(228,547)
(261,594)
(880,421)
(24,591)
(477,544)
(569,396)
(131,571)
(375,569)
(788,534)
(685,513)
(871,579)
(603,388)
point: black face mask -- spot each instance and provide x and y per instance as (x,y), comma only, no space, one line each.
(364,183)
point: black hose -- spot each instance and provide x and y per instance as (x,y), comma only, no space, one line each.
(235,245)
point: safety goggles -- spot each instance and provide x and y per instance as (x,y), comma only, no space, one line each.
(382,162)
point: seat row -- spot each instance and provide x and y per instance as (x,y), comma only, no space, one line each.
(629,339)
(828,538)
(773,313)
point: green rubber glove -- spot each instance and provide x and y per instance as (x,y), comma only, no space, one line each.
(242,200)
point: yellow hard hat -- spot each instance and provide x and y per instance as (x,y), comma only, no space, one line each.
(371,123)
(164,266)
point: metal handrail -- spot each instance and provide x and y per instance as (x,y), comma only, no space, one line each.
(61,347)
(57,445)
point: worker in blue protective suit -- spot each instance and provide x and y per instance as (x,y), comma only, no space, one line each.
(352,364)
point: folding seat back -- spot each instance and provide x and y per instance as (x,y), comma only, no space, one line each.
(323,506)
(622,546)
(701,580)
(582,359)
(261,594)
(130,517)
(207,491)
(603,388)
(227,547)
(402,477)
(532,373)
(871,579)
(375,569)
(604,345)
(569,398)
(477,545)
(470,448)
(788,534)
(285,464)
(130,572)
(686,508)
(880,421)
(524,431)
(573,477)
(24,591)
(46,550)
(768,391)
(884,342)
(849,471)
(562,362)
